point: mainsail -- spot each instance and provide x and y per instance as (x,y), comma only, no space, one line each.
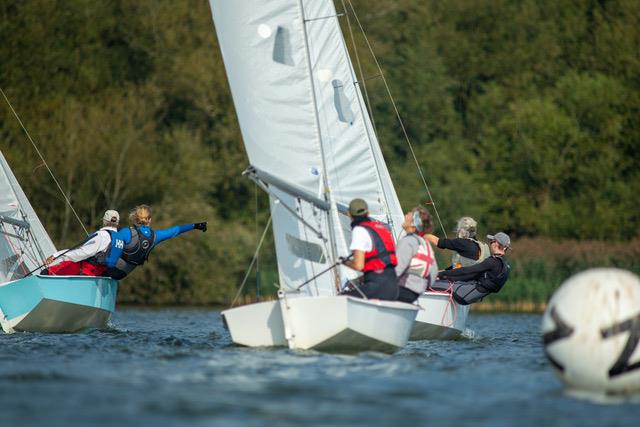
(24,243)
(304,124)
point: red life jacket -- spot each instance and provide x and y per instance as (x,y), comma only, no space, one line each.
(383,254)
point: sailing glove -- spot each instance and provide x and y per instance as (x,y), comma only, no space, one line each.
(200,226)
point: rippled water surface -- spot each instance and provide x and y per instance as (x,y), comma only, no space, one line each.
(178,367)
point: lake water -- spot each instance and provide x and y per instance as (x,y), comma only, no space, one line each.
(177,367)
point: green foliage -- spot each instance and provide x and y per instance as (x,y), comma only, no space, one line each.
(522,114)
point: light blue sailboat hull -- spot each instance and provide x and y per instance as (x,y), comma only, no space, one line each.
(57,303)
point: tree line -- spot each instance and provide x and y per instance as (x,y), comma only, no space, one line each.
(522,114)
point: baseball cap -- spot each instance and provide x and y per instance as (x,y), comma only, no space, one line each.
(500,237)
(111,216)
(358,207)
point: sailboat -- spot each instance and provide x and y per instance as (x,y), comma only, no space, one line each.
(35,303)
(312,148)
(441,318)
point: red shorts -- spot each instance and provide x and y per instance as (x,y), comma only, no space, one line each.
(71,268)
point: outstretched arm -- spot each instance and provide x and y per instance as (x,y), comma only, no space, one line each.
(468,273)
(431,239)
(162,235)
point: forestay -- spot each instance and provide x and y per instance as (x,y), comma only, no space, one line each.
(24,243)
(304,123)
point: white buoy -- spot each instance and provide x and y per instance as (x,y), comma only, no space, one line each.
(592,331)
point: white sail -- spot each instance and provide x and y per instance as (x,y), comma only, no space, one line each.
(303,121)
(24,243)
(355,165)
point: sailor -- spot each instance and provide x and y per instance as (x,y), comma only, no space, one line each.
(140,239)
(373,252)
(467,250)
(471,284)
(98,252)
(415,255)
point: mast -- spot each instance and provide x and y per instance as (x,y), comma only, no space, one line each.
(325,181)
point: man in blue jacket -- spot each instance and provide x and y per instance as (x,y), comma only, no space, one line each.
(140,239)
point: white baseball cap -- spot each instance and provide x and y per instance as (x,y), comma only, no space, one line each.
(111,216)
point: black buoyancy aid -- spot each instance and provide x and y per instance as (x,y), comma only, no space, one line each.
(383,254)
(495,283)
(137,251)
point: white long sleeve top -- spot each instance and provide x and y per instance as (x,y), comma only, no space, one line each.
(98,243)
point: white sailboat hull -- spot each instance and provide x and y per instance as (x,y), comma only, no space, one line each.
(256,325)
(441,317)
(346,324)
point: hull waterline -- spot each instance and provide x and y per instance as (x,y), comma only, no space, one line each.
(440,318)
(354,324)
(57,304)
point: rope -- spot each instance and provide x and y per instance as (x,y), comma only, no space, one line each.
(404,130)
(450,302)
(44,162)
(255,257)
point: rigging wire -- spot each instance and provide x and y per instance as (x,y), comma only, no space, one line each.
(258,258)
(255,257)
(44,162)
(397,112)
(362,79)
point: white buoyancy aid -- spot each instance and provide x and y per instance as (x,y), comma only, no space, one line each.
(458,260)
(420,265)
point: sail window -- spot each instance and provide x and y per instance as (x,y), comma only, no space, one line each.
(324,75)
(305,250)
(264,31)
(341,103)
(282,47)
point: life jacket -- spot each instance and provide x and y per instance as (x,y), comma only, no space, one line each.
(458,260)
(109,256)
(135,252)
(383,254)
(419,267)
(494,284)
(420,264)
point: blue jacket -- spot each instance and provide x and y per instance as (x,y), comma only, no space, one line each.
(160,235)
(135,253)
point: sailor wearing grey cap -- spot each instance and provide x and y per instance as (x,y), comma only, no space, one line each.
(473,283)
(373,251)
(94,255)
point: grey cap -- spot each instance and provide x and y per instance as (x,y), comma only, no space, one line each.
(358,207)
(500,237)
(111,216)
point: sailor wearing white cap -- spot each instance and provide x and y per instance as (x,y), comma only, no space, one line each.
(94,255)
